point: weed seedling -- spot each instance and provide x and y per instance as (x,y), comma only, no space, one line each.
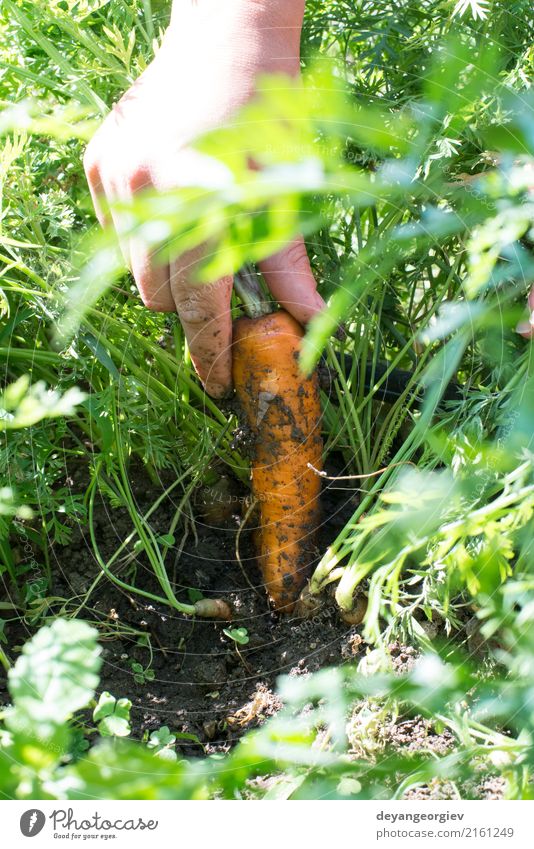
(141,675)
(240,637)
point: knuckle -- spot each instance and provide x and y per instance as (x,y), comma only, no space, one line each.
(193,313)
(138,176)
(202,305)
(295,254)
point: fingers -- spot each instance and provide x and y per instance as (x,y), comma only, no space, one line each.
(290,280)
(103,190)
(526,328)
(149,268)
(204,311)
(96,188)
(151,275)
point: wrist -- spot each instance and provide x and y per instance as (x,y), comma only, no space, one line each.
(268,12)
(263,35)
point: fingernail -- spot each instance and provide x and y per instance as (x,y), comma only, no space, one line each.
(524,328)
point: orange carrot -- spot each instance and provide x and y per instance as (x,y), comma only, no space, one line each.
(282,409)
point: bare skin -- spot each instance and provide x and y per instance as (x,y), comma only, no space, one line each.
(205,71)
(526,327)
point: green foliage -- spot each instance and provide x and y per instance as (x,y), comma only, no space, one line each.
(161,743)
(406,158)
(23,406)
(112,716)
(140,674)
(61,65)
(320,743)
(54,677)
(238,635)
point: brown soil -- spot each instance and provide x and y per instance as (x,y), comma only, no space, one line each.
(203,683)
(204,687)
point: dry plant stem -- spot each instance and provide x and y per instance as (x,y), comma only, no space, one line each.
(243,661)
(374,474)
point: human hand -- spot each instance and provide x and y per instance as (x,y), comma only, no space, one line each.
(526,327)
(204,72)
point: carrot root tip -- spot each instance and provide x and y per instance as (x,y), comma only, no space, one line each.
(356,615)
(307,605)
(213,608)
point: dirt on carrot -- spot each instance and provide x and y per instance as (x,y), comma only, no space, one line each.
(283,412)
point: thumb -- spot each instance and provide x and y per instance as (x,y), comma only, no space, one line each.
(290,280)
